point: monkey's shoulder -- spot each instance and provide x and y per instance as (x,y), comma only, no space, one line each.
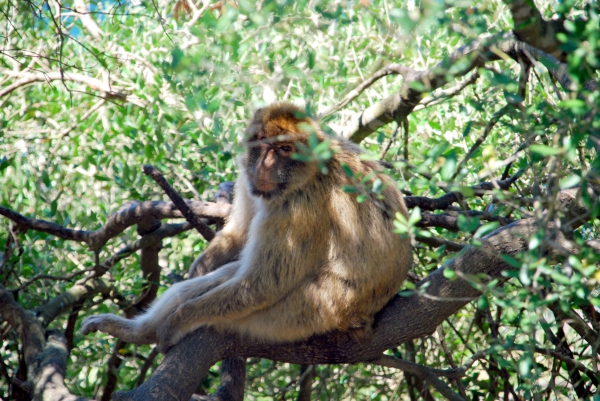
(351,155)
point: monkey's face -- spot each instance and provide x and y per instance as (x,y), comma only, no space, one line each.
(273,137)
(271,170)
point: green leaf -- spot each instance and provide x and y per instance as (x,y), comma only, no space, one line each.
(5,162)
(575,106)
(561,278)
(101,177)
(545,150)
(486,229)
(448,167)
(415,216)
(46,179)
(570,181)
(511,260)
(347,170)
(467,224)
(483,302)
(449,274)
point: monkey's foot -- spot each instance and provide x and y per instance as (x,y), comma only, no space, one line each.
(103,323)
(124,329)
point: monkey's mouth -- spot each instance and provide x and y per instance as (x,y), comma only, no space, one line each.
(273,193)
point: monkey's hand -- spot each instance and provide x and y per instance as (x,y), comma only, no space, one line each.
(124,329)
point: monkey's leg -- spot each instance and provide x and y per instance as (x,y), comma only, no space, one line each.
(234,299)
(143,328)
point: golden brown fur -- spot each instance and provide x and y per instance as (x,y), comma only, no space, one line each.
(298,255)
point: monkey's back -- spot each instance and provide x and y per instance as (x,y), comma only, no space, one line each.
(354,261)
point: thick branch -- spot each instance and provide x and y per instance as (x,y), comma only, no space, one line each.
(233,378)
(86,20)
(65,301)
(49,372)
(29,329)
(441,95)
(449,220)
(401,104)
(46,360)
(45,226)
(530,27)
(130,214)
(444,201)
(400,321)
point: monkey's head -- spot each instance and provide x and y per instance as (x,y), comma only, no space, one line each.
(272,138)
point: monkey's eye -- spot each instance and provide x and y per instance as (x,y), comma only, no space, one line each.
(287,149)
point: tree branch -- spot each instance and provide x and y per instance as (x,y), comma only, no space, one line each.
(107,90)
(86,20)
(360,88)
(438,242)
(189,215)
(445,201)
(424,372)
(441,95)
(46,360)
(402,103)
(530,27)
(128,215)
(48,311)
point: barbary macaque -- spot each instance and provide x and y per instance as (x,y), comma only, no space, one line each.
(298,255)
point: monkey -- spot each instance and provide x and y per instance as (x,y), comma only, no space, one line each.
(298,254)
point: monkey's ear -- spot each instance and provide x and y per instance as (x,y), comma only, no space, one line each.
(257,121)
(258,114)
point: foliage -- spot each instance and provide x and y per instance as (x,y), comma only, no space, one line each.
(185,85)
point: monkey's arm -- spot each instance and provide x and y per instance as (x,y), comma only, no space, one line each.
(228,243)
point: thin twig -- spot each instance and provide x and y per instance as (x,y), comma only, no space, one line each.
(426,373)
(354,93)
(442,95)
(204,230)
(486,132)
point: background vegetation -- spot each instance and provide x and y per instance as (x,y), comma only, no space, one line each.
(92,91)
